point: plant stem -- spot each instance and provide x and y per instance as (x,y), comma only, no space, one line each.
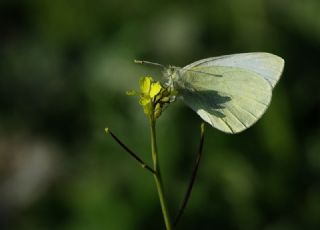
(193,177)
(157,175)
(131,153)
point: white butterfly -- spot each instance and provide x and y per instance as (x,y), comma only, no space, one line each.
(229,92)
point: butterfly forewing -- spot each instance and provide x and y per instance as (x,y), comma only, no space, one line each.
(265,65)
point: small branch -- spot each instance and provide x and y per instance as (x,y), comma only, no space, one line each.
(131,153)
(193,177)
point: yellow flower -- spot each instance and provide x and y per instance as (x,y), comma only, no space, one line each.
(153,96)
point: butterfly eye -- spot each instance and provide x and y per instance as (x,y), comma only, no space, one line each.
(169,72)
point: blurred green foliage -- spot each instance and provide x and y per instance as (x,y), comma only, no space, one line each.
(64,69)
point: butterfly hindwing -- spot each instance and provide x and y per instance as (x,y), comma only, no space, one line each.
(230,99)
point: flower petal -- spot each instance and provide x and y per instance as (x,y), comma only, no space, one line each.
(155,89)
(144,101)
(145,84)
(131,93)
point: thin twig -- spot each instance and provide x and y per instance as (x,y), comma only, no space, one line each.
(193,177)
(143,164)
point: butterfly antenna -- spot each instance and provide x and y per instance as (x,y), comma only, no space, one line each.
(148,63)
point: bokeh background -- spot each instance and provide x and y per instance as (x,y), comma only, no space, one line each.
(64,69)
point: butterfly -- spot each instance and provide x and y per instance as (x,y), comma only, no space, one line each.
(229,92)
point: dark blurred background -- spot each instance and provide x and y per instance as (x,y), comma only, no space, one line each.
(64,69)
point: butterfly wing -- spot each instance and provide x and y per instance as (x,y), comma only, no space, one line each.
(266,65)
(230,99)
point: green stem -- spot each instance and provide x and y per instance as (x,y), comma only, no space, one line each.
(193,177)
(157,175)
(131,153)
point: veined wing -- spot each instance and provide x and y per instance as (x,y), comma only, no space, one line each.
(230,103)
(266,65)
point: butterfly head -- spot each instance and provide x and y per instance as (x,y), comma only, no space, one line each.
(170,74)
